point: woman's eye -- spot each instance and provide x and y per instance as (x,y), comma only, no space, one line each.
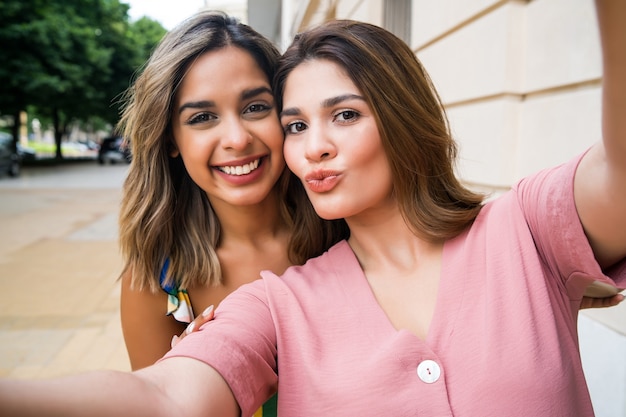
(200,118)
(346,115)
(257,107)
(295,127)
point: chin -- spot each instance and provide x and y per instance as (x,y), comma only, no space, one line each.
(328,216)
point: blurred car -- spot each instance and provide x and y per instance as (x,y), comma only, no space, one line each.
(90,144)
(10,161)
(25,153)
(113,150)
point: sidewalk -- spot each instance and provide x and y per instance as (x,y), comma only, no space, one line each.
(59,263)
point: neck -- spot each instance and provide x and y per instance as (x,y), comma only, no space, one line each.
(250,223)
(386,241)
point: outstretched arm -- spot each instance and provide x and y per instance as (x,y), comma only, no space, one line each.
(176,386)
(600,184)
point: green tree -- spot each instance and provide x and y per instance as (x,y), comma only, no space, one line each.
(70,59)
(22,70)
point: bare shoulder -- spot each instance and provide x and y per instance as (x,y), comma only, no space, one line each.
(147,328)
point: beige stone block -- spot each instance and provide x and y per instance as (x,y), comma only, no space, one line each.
(480,60)
(430,19)
(562,44)
(487,134)
(556,127)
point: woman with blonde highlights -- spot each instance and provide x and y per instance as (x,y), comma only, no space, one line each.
(205,205)
(410,315)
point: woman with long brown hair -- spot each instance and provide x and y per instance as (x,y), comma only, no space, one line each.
(408,315)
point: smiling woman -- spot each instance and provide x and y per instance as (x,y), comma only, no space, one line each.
(225,118)
(205,206)
(436,304)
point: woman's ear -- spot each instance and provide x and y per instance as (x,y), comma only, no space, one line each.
(174,152)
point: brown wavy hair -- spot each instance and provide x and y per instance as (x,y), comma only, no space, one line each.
(164,214)
(412,122)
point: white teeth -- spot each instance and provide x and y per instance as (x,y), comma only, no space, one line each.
(240,169)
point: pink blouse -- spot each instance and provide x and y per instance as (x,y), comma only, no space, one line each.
(503,340)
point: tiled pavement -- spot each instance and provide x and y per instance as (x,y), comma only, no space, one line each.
(59,262)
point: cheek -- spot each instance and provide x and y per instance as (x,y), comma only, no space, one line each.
(292,156)
(369,150)
(195,150)
(270,132)
(380,178)
(191,148)
(370,158)
(276,140)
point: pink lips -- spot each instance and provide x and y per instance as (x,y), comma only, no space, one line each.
(321,181)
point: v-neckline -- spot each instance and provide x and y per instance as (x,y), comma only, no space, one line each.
(444,313)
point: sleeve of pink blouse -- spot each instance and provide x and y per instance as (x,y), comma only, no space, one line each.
(240,343)
(547,201)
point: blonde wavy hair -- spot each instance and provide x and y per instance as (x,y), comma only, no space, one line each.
(164,214)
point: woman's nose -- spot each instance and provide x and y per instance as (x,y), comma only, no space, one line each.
(235,135)
(319,145)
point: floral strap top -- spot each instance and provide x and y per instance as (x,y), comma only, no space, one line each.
(178,302)
(179,306)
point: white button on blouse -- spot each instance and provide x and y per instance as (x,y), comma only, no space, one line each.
(428,371)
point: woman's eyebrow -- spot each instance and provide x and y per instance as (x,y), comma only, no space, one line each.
(253,92)
(203,104)
(333,101)
(292,111)
(329,102)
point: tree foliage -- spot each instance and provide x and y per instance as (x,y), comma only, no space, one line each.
(69,59)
